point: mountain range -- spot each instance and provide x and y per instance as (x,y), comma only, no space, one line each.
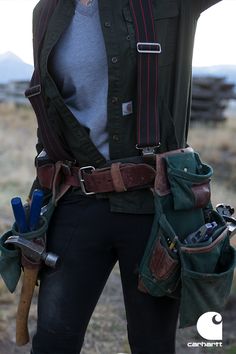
(14,68)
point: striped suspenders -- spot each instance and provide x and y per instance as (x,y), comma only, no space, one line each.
(148,49)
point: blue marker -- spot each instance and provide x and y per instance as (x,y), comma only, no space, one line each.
(19,213)
(35,209)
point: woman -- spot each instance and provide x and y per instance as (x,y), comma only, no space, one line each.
(87,69)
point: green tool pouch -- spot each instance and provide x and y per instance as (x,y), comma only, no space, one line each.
(10,257)
(169,266)
(207,270)
(10,265)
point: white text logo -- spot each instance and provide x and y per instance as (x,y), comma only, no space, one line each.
(210,327)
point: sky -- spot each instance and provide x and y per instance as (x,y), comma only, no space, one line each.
(214,42)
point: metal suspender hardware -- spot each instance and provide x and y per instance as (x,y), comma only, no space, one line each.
(148,49)
(148,150)
(33,91)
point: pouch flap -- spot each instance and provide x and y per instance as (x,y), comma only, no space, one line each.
(188,163)
(183,162)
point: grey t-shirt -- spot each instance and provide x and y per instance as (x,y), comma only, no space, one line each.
(80,70)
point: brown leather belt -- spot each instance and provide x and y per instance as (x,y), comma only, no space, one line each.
(119,177)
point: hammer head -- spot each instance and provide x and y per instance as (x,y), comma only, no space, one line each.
(33,251)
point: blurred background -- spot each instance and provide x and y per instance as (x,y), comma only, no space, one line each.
(212,133)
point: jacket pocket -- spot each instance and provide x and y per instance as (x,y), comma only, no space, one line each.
(166,18)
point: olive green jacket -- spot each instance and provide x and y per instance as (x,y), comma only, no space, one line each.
(175,24)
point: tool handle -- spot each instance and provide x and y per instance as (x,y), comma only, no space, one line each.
(35,209)
(19,214)
(29,281)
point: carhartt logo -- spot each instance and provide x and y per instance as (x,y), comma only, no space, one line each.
(210,326)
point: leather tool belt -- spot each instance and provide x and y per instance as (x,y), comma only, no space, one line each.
(119,177)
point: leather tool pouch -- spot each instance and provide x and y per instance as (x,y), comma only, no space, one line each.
(186,271)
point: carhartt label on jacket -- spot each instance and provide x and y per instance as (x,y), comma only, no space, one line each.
(127,108)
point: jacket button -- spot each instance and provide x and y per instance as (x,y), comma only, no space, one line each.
(114,100)
(107,24)
(115,137)
(114,60)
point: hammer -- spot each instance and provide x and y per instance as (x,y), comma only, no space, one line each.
(33,254)
(33,251)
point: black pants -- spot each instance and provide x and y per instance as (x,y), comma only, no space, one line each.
(90,240)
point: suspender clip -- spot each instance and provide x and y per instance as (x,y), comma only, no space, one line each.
(148,150)
(33,91)
(149,48)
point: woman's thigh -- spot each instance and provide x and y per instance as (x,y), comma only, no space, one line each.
(151,321)
(68,295)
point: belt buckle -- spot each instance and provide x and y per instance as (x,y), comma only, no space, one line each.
(145,47)
(81,178)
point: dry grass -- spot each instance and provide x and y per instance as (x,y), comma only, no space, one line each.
(217,146)
(107,329)
(17,136)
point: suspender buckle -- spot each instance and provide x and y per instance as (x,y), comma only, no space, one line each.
(33,91)
(148,150)
(82,181)
(149,48)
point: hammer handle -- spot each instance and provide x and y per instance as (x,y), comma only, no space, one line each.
(29,281)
